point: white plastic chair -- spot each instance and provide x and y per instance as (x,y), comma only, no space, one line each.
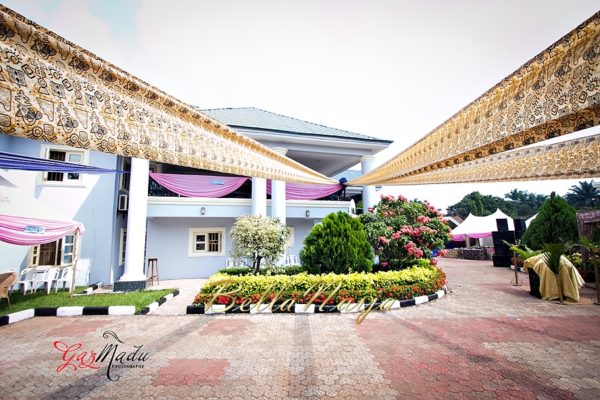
(48,277)
(26,279)
(65,278)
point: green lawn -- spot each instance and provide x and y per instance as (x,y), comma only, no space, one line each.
(19,302)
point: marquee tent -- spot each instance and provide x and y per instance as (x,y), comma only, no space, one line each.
(475,227)
(26,221)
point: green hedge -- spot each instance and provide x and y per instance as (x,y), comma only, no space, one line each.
(380,286)
(238,271)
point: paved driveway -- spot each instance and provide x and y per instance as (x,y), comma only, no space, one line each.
(486,339)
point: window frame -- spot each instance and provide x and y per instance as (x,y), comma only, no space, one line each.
(193,232)
(122,245)
(34,253)
(45,153)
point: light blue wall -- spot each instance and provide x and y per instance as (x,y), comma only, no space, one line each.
(168,241)
(301,229)
(94,205)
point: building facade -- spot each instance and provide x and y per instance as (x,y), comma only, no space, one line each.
(129,218)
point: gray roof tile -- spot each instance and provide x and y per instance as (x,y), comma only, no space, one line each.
(250,117)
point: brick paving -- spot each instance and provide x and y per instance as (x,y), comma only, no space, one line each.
(487,339)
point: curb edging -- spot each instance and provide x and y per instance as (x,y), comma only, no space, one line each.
(76,311)
(328,309)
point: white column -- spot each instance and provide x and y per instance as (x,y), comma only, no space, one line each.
(259,196)
(278,203)
(369,197)
(136,221)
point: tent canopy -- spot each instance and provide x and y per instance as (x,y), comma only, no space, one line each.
(24,220)
(479,227)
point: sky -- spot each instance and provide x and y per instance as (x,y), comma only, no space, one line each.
(392,69)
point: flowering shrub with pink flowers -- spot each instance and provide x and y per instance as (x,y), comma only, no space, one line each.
(401,232)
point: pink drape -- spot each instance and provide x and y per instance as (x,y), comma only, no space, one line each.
(199,185)
(13,230)
(462,237)
(303,191)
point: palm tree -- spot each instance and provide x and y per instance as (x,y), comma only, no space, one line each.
(552,255)
(584,195)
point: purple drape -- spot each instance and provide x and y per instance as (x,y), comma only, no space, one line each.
(304,191)
(199,185)
(26,163)
(462,237)
(33,231)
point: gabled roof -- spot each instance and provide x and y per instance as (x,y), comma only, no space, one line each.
(255,118)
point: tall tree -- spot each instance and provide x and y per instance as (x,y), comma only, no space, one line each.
(556,222)
(481,205)
(583,195)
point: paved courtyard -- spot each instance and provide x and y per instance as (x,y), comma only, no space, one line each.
(486,339)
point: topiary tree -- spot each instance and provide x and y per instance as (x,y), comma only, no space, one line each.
(555,222)
(338,244)
(259,238)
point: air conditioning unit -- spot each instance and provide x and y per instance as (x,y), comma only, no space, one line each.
(123,202)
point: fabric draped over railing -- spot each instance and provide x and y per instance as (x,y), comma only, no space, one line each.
(301,191)
(34,231)
(199,185)
(26,163)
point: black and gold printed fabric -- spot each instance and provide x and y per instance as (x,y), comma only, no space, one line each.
(53,90)
(554,94)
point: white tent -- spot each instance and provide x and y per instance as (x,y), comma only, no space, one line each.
(26,221)
(480,227)
(529,220)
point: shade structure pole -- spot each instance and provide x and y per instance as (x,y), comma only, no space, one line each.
(75,259)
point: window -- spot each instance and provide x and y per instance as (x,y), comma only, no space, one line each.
(57,253)
(125,166)
(206,242)
(122,246)
(67,155)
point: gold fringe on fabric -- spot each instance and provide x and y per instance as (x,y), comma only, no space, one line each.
(52,90)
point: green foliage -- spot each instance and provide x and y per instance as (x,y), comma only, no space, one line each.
(62,298)
(522,250)
(273,270)
(235,271)
(584,195)
(516,204)
(552,255)
(553,252)
(527,203)
(259,238)
(398,285)
(482,205)
(555,222)
(338,244)
(402,232)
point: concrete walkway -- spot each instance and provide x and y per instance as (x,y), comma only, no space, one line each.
(486,339)
(188,289)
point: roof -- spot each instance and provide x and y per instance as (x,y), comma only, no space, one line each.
(250,117)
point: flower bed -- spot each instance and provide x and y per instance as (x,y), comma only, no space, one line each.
(329,288)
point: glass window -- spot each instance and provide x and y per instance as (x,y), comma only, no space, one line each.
(72,156)
(206,242)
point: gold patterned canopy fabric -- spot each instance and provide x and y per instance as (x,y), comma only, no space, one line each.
(55,91)
(579,158)
(554,94)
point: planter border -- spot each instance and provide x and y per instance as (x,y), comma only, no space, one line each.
(72,311)
(328,309)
